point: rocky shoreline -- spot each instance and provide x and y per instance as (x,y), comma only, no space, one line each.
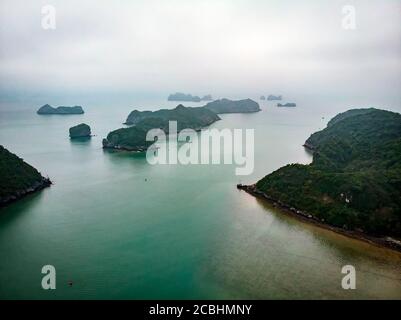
(309,147)
(387,242)
(37,186)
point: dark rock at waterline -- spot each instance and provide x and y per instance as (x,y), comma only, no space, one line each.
(18,178)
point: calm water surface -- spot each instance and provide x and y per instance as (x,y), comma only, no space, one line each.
(185,232)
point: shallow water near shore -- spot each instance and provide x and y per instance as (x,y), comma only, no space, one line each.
(120,228)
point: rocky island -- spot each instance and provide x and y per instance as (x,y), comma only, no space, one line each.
(48,109)
(287,105)
(231,106)
(80,131)
(134,138)
(353,184)
(18,178)
(273,97)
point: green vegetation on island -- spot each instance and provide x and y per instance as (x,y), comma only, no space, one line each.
(354,181)
(17,177)
(80,131)
(134,138)
(48,109)
(231,106)
(187,117)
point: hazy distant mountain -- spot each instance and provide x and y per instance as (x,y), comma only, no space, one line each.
(207,97)
(273,97)
(179,96)
(289,104)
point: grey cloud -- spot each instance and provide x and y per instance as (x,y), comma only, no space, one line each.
(221,45)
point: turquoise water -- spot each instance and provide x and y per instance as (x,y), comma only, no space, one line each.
(120,228)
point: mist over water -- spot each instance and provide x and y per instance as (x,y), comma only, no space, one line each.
(121,228)
(115,52)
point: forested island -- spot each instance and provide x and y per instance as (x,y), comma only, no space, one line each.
(48,109)
(193,117)
(233,106)
(134,138)
(18,178)
(354,180)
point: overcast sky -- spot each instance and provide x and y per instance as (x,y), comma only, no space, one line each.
(200,47)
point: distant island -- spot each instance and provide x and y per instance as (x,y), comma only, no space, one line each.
(262,98)
(179,96)
(207,97)
(288,105)
(231,106)
(18,178)
(48,109)
(353,184)
(134,138)
(273,97)
(80,131)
